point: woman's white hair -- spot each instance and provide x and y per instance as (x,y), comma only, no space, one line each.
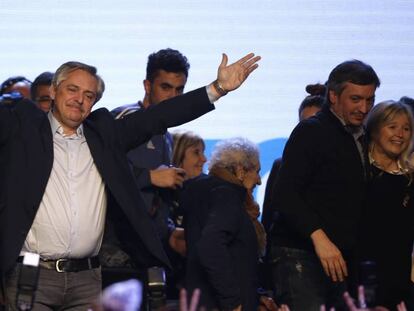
(234,152)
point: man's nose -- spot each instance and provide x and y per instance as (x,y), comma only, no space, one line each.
(175,93)
(79,97)
(365,107)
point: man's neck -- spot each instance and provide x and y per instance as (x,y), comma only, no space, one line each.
(354,129)
(67,131)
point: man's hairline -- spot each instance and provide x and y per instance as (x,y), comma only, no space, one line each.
(158,73)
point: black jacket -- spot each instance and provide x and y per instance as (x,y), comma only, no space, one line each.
(321,184)
(26,159)
(221,244)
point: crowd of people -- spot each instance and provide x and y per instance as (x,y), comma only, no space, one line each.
(103,196)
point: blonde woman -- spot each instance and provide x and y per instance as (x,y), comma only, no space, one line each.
(388,220)
(188,153)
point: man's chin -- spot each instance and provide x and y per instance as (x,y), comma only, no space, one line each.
(357,123)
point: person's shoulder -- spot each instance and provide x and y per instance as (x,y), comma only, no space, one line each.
(125,109)
(315,124)
(306,128)
(100,117)
(100,112)
(205,182)
(200,181)
(26,108)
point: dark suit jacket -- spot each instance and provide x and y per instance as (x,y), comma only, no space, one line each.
(321,184)
(222,246)
(26,159)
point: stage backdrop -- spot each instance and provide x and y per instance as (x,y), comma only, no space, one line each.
(300,42)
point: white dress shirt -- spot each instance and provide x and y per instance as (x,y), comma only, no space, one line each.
(71,217)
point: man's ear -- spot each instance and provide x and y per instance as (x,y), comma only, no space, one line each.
(333,97)
(147,86)
(52,92)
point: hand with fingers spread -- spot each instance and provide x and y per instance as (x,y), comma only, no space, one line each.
(401,306)
(230,77)
(194,300)
(361,302)
(330,256)
(167,177)
(350,302)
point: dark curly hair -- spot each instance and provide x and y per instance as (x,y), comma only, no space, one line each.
(167,59)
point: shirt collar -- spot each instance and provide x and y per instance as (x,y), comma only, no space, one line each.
(356,131)
(57,127)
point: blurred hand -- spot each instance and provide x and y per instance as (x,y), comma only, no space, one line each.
(195,297)
(330,256)
(167,177)
(267,304)
(177,241)
(361,301)
(230,77)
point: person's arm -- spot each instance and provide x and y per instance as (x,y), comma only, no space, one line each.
(300,163)
(222,225)
(330,256)
(138,127)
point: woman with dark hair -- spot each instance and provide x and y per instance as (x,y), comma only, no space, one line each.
(224,238)
(387,225)
(312,103)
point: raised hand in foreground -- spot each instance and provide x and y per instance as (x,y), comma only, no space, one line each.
(350,302)
(230,77)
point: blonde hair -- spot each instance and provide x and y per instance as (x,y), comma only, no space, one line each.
(183,141)
(380,115)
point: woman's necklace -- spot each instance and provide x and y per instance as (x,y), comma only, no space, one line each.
(392,167)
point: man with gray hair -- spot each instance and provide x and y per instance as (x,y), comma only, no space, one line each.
(59,168)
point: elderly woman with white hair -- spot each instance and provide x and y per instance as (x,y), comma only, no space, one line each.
(224,238)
